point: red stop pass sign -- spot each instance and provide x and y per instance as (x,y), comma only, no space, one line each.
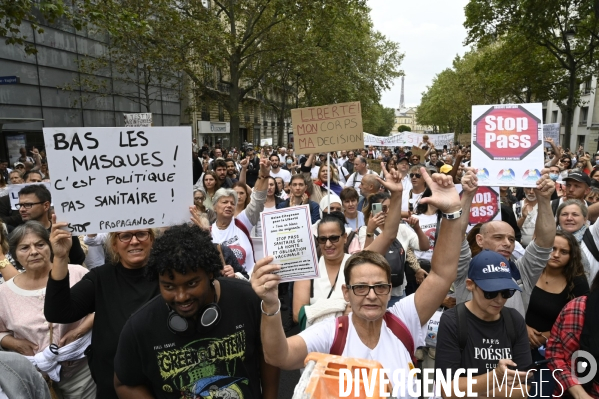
(485,205)
(507,132)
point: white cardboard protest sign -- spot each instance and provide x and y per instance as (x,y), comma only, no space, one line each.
(139,119)
(13,192)
(551,131)
(113,179)
(287,235)
(507,144)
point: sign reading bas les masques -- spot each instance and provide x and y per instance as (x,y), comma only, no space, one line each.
(327,128)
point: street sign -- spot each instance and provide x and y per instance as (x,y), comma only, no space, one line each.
(9,80)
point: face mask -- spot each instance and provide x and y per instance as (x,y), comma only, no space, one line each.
(553,176)
(289,162)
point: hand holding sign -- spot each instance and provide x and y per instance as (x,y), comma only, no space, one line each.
(265,283)
(60,238)
(545,186)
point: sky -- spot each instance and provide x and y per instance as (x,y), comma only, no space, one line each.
(430,34)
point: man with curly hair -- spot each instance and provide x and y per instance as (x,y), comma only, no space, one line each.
(202,333)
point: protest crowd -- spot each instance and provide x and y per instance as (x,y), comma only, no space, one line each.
(197,310)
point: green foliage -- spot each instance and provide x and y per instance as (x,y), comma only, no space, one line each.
(404,128)
(564,33)
(378,120)
(14,13)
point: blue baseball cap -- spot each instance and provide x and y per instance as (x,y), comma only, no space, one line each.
(491,272)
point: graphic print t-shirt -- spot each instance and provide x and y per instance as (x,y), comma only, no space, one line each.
(428,224)
(221,363)
(487,343)
(237,240)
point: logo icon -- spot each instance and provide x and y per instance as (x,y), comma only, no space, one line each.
(584,366)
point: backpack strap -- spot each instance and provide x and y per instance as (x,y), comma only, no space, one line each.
(242,227)
(399,329)
(350,238)
(589,241)
(462,329)
(509,324)
(341,328)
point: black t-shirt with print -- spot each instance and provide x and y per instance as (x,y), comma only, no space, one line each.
(487,343)
(224,362)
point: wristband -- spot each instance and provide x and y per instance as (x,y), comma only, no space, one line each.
(270,314)
(369,234)
(451,216)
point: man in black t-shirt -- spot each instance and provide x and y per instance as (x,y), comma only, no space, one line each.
(201,337)
(494,338)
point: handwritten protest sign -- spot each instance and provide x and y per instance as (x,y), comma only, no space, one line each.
(13,192)
(113,179)
(485,205)
(507,144)
(327,128)
(551,131)
(140,119)
(287,236)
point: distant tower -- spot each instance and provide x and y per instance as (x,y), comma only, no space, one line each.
(401,99)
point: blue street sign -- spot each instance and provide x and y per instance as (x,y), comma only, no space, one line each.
(9,80)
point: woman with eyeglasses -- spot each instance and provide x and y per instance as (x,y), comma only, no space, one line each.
(211,185)
(409,237)
(113,292)
(314,300)
(562,280)
(199,196)
(23,327)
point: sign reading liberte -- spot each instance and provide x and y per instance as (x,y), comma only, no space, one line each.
(113,179)
(507,144)
(327,128)
(287,236)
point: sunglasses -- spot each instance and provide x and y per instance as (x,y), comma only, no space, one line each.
(364,289)
(493,294)
(416,175)
(323,239)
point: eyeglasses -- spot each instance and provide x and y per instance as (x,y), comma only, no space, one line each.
(323,239)
(493,294)
(364,289)
(416,175)
(140,235)
(27,205)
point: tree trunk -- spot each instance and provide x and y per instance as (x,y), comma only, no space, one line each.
(569,109)
(281,121)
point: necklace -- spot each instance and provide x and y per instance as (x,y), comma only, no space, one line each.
(548,281)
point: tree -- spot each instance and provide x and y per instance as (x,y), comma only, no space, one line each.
(378,120)
(404,128)
(13,13)
(568,30)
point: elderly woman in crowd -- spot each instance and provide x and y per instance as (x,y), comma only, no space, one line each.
(369,327)
(234,231)
(113,291)
(199,196)
(23,327)
(572,217)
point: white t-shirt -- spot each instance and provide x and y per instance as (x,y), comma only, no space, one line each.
(389,351)
(428,224)
(283,174)
(237,240)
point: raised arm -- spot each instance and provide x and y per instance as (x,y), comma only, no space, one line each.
(279,351)
(545,225)
(444,264)
(244,169)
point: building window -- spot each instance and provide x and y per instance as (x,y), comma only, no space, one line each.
(554,117)
(205,113)
(580,141)
(221,113)
(584,114)
(588,85)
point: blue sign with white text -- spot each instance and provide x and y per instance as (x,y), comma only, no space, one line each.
(9,80)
